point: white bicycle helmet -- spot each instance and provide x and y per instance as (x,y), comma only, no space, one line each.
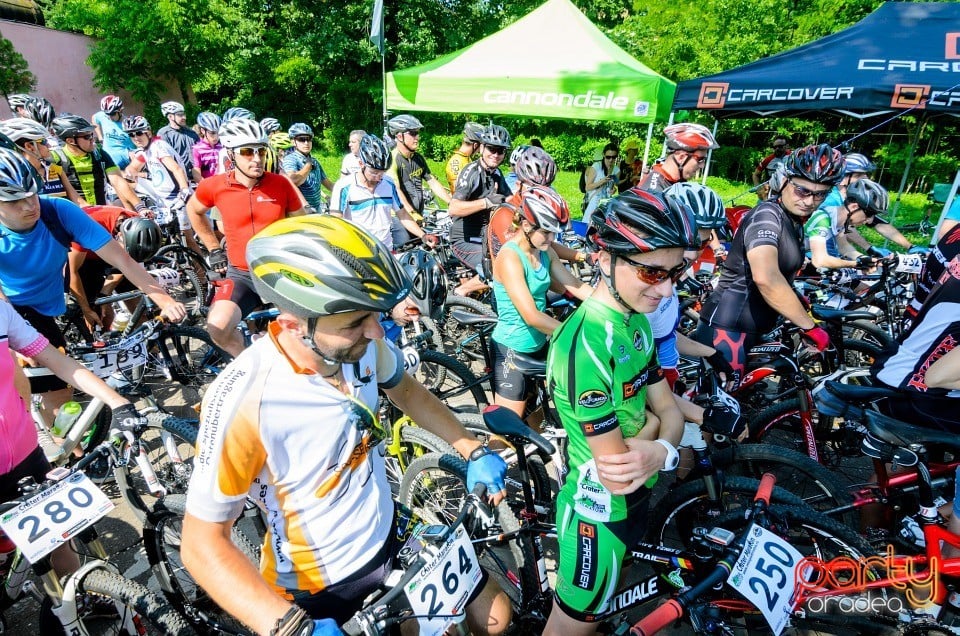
(300,129)
(23,129)
(17,100)
(270,125)
(209,121)
(171,108)
(242,132)
(707,206)
(237,112)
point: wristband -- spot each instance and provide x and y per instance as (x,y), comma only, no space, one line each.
(477,453)
(673,457)
(293,623)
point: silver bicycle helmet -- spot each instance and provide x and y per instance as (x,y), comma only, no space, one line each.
(209,121)
(494,135)
(237,112)
(374,153)
(535,167)
(23,129)
(171,108)
(135,123)
(236,133)
(402,124)
(300,129)
(270,125)
(707,206)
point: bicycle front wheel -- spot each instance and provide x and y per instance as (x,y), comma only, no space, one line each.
(115,605)
(188,356)
(451,381)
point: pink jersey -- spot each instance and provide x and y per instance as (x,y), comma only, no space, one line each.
(206,158)
(18,434)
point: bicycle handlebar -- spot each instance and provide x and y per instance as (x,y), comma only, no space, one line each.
(657,619)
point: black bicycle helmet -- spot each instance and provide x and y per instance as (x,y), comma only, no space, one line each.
(869,195)
(318,265)
(856,162)
(494,135)
(374,153)
(69,125)
(429,281)
(638,221)
(141,238)
(706,205)
(402,124)
(535,167)
(41,110)
(817,163)
(18,179)
(472,130)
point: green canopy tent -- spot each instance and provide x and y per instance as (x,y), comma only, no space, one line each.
(553,62)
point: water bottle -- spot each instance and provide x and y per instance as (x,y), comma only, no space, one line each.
(7,549)
(68,414)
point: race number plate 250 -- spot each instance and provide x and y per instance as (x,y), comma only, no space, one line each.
(442,587)
(765,575)
(42,523)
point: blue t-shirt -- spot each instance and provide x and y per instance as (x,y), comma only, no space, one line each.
(310,187)
(116,142)
(32,262)
(954,212)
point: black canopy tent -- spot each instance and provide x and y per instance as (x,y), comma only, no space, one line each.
(903,55)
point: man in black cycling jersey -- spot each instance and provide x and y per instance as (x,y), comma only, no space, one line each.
(480,189)
(410,169)
(88,167)
(178,134)
(687,146)
(756,287)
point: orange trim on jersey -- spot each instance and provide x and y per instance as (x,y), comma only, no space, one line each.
(273,330)
(242,456)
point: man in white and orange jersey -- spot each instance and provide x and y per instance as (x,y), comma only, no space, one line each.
(289,423)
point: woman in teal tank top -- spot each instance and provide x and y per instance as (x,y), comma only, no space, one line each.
(524,270)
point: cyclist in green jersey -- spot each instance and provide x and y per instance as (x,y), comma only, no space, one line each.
(603,372)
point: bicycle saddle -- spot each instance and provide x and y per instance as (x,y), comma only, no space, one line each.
(470,318)
(529,366)
(859,394)
(504,422)
(822,312)
(904,435)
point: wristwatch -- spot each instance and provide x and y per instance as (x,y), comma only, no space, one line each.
(673,457)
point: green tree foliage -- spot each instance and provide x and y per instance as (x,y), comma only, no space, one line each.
(312,61)
(15,77)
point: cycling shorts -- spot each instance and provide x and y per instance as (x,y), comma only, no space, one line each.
(508,381)
(591,555)
(35,465)
(237,287)
(47,326)
(342,600)
(732,344)
(469,253)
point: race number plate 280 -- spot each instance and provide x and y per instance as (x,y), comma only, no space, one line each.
(764,574)
(442,587)
(42,523)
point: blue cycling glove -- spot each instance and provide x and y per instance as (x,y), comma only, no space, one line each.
(326,627)
(918,249)
(486,467)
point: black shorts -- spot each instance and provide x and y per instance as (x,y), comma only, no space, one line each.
(341,601)
(238,288)
(92,276)
(47,326)
(508,380)
(35,465)
(469,253)
(924,410)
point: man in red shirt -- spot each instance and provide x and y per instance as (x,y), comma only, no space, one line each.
(686,146)
(249,199)
(769,164)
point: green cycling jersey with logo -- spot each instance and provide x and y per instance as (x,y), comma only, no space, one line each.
(599,366)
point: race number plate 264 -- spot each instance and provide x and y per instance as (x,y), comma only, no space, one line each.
(764,574)
(444,584)
(42,523)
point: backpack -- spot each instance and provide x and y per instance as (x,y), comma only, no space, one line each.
(50,218)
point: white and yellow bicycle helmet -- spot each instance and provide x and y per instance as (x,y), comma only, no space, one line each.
(319,265)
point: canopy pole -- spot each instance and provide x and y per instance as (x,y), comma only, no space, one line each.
(906,173)
(706,168)
(383,84)
(935,237)
(646,148)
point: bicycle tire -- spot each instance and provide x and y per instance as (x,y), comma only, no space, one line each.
(869,332)
(687,505)
(414,442)
(451,381)
(188,356)
(818,486)
(159,617)
(165,433)
(435,341)
(185,258)
(780,425)
(459,340)
(161,537)
(434,486)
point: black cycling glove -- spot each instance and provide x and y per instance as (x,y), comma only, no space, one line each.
(125,418)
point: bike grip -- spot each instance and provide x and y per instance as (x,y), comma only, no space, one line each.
(657,619)
(352,628)
(480,490)
(765,490)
